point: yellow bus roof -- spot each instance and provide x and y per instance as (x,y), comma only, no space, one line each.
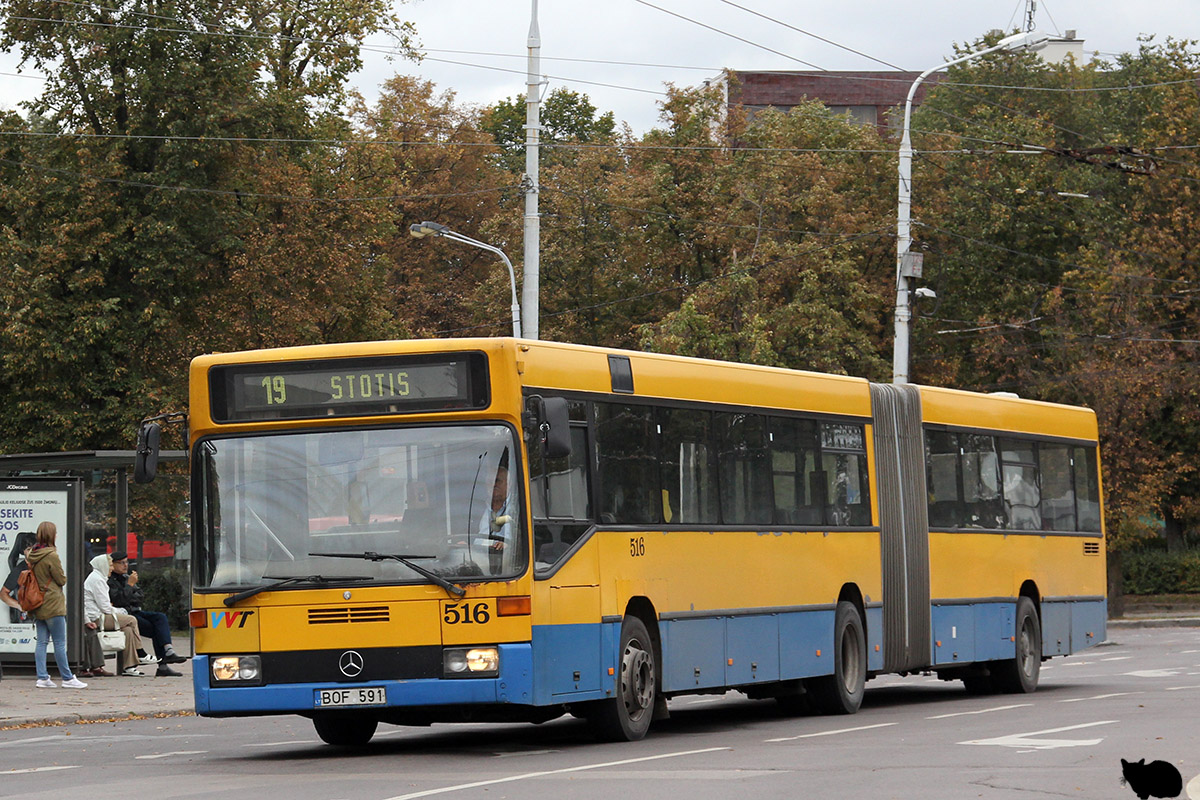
(1006,413)
(583,368)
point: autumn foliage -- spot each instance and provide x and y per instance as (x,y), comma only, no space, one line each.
(199,192)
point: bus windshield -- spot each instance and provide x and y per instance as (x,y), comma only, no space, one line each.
(322,506)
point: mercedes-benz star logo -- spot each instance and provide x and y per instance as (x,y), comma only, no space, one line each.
(351,664)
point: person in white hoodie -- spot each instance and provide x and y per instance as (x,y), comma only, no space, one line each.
(99,609)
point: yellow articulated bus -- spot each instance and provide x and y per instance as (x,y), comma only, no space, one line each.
(497,529)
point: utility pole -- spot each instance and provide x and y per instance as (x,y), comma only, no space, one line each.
(533,92)
(906,262)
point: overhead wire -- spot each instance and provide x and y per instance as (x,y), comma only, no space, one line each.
(250,195)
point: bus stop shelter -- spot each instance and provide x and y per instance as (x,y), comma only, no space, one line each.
(119,462)
(50,487)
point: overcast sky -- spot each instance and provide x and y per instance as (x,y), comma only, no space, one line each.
(610,38)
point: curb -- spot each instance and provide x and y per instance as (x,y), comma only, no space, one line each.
(1156,622)
(14,723)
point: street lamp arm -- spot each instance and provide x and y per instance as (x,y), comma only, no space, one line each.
(423,229)
(1031,40)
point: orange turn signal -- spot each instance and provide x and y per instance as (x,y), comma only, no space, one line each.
(513,606)
(198,618)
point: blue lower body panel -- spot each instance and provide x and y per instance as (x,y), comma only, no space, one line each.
(967,632)
(514,685)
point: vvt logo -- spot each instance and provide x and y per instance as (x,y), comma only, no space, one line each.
(231,619)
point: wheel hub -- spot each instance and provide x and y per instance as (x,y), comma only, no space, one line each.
(637,678)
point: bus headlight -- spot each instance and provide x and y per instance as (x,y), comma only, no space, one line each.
(241,669)
(471,662)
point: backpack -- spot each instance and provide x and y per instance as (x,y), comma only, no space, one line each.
(29,593)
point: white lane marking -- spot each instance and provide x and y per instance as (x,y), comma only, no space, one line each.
(1181,688)
(175,753)
(526,753)
(1116,658)
(1192,789)
(1185,652)
(34,740)
(1098,697)
(527,775)
(704,700)
(832,733)
(281,744)
(37,769)
(981,711)
(1024,740)
(1154,673)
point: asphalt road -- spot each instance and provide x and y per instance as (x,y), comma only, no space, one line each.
(1136,696)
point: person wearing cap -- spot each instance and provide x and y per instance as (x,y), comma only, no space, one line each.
(124,592)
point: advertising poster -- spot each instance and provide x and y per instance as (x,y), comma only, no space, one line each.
(24,504)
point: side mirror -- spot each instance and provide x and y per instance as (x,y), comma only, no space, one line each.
(145,463)
(552,422)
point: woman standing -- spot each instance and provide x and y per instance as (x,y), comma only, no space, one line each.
(51,616)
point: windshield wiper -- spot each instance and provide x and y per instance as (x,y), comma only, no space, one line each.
(242,595)
(452,588)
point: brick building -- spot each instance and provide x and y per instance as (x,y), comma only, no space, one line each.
(870,98)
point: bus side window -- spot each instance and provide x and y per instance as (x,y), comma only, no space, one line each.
(844,461)
(627,458)
(560,500)
(1022,491)
(942,480)
(1087,488)
(981,483)
(744,470)
(688,466)
(1058,490)
(794,449)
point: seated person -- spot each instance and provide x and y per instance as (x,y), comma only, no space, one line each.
(97,608)
(92,663)
(124,593)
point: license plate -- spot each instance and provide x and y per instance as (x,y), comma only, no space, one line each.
(358,696)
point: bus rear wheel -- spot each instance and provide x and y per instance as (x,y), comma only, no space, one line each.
(842,692)
(626,717)
(345,730)
(1019,675)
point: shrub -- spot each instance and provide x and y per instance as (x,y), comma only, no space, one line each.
(166,591)
(1160,572)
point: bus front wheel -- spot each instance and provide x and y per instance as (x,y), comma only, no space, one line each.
(1019,675)
(345,730)
(842,692)
(626,717)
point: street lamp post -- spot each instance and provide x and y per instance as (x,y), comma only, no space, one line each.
(905,268)
(420,230)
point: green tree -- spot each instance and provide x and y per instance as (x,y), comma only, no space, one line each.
(133,196)
(566,117)
(1071,275)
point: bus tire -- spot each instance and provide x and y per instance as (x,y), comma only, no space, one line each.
(1019,675)
(626,717)
(345,730)
(842,692)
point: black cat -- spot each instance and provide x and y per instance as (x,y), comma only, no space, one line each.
(1156,779)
